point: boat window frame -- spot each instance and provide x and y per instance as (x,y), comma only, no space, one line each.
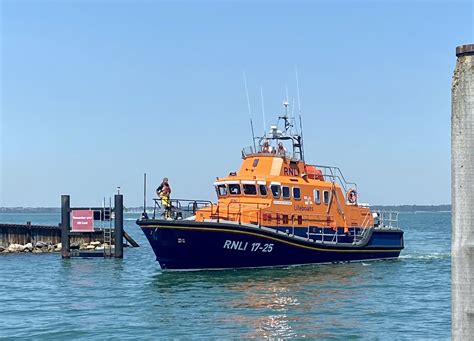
(328,197)
(260,186)
(299,194)
(248,184)
(279,190)
(289,192)
(234,184)
(317,199)
(218,191)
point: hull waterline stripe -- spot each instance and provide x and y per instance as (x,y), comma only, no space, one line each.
(268,237)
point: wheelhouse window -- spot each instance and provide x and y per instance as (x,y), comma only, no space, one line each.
(263,190)
(326,197)
(249,189)
(317,196)
(234,189)
(297,193)
(221,190)
(275,190)
(285,192)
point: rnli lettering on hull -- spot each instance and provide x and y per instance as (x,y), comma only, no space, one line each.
(290,171)
(235,245)
(254,247)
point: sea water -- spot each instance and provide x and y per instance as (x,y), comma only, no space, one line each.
(45,297)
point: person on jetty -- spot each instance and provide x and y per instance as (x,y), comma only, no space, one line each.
(164,192)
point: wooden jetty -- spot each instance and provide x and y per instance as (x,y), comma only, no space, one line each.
(50,234)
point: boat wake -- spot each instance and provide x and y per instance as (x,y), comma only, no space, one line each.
(429,256)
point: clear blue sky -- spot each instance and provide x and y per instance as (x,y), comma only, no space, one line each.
(94,94)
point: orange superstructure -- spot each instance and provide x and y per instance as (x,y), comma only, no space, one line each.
(274,187)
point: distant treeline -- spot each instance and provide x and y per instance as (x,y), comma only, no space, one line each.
(399,208)
(413,208)
(30,209)
(56,209)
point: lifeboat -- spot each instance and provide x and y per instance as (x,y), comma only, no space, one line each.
(276,210)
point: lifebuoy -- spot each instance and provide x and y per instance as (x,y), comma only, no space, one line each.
(352,196)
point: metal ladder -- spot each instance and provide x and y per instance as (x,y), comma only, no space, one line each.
(107,242)
(365,229)
(108,231)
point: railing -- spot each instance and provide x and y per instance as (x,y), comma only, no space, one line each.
(306,221)
(256,213)
(250,151)
(365,230)
(387,219)
(335,173)
(239,212)
(182,208)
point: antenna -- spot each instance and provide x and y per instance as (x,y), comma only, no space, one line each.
(263,110)
(298,91)
(293,113)
(299,112)
(286,103)
(144,193)
(250,112)
(253,136)
(247,93)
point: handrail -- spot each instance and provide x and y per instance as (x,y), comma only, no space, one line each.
(341,178)
(240,207)
(256,215)
(177,205)
(259,209)
(390,217)
(249,151)
(366,229)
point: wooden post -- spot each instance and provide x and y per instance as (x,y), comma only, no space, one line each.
(462,191)
(65,225)
(118,228)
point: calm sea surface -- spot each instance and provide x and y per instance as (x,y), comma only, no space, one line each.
(45,297)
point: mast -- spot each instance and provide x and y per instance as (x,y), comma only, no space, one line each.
(299,113)
(250,112)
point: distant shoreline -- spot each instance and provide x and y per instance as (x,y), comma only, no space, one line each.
(399,208)
(413,208)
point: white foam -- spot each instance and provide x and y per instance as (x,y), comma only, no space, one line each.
(433,255)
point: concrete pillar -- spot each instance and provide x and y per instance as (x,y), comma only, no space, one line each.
(462,187)
(118,228)
(65,225)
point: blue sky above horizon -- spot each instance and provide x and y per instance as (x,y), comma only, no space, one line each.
(94,94)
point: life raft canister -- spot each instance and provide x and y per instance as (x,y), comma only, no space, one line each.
(313,173)
(351,196)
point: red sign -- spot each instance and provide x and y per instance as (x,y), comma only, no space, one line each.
(82,221)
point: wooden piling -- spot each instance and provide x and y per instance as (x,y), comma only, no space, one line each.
(118,228)
(65,226)
(462,191)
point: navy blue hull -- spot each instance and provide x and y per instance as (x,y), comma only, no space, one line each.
(180,244)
